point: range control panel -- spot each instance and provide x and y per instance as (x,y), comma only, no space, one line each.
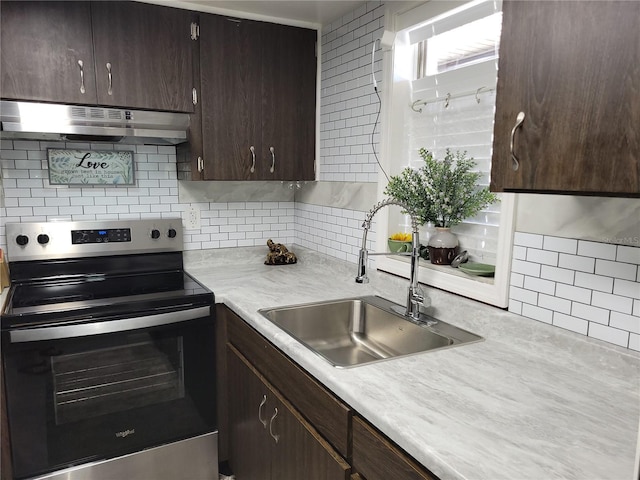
(44,240)
(101,236)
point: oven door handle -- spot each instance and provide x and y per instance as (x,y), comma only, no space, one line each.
(111,326)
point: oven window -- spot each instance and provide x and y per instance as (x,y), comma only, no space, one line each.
(109,380)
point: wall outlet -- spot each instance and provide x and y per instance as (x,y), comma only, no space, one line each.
(192,219)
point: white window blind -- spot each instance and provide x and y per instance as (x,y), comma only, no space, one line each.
(453,98)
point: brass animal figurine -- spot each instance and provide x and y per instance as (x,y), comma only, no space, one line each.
(279,254)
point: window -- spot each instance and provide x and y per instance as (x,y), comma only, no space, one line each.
(468,44)
(442,96)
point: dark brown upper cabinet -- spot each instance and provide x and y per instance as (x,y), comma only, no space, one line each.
(257,106)
(46,52)
(124,54)
(573,70)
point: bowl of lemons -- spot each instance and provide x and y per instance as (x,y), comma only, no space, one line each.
(400,242)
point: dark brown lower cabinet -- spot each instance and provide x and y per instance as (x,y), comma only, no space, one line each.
(376,458)
(268,438)
(319,436)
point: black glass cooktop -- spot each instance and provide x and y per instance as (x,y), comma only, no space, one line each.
(110,292)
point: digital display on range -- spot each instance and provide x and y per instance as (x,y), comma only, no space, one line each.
(101,236)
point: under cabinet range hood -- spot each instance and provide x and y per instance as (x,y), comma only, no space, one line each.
(45,121)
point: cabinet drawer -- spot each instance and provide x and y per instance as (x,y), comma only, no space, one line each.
(330,416)
(376,458)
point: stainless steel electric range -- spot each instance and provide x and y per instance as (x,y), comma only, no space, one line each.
(108,350)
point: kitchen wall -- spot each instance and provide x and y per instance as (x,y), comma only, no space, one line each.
(575,263)
(28,197)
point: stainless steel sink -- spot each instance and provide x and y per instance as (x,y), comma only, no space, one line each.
(356,331)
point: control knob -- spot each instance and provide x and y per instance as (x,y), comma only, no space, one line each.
(43,239)
(155,234)
(171,233)
(22,240)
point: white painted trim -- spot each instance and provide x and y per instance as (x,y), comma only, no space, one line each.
(496,293)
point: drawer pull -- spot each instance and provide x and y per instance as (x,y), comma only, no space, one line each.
(81,65)
(253,159)
(273,159)
(263,422)
(110,85)
(275,437)
(514,159)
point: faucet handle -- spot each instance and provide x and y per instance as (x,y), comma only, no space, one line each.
(418,297)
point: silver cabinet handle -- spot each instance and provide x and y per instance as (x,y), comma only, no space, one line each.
(273,159)
(275,437)
(81,65)
(263,422)
(110,86)
(200,165)
(253,159)
(514,159)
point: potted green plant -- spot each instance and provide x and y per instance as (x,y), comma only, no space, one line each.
(444,192)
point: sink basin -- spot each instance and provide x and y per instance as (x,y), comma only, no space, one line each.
(362,330)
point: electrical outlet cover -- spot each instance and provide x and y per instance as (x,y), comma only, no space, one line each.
(192,219)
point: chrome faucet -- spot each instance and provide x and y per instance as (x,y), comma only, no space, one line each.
(415,296)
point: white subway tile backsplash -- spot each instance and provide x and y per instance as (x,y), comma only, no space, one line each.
(528,240)
(555,274)
(523,295)
(626,288)
(597,289)
(597,250)
(155,194)
(515,306)
(627,254)
(630,323)
(576,294)
(570,323)
(348,102)
(608,334)
(578,263)
(537,313)
(525,268)
(634,342)
(539,285)
(517,280)
(554,303)
(591,313)
(612,302)
(595,282)
(625,271)
(542,256)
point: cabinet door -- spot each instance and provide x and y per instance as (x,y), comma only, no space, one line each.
(289,94)
(41,45)
(300,452)
(377,458)
(268,438)
(573,68)
(230,76)
(149,50)
(249,444)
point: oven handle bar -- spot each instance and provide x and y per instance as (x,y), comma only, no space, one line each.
(112,326)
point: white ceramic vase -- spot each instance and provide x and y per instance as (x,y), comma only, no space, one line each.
(443,246)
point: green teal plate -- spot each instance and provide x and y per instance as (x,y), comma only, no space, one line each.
(480,269)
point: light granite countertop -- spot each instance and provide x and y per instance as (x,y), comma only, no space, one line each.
(532,401)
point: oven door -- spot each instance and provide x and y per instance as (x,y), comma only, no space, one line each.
(98,390)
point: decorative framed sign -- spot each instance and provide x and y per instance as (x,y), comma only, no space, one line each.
(89,167)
